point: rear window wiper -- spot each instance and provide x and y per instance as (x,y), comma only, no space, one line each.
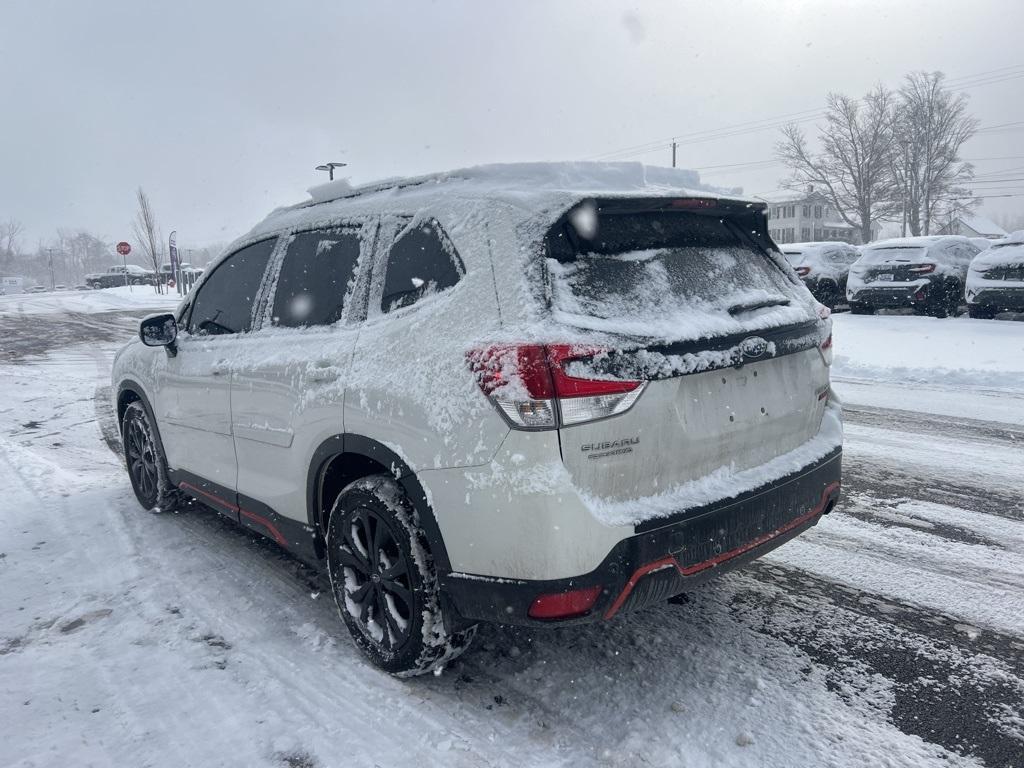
(736,309)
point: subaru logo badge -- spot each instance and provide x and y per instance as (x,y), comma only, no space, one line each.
(753,347)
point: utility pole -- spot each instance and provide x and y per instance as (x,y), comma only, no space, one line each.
(53,283)
(673,153)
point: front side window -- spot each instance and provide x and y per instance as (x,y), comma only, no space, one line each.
(225,301)
(421,262)
(316,277)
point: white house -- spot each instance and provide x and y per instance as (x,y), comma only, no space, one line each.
(973,226)
(811,217)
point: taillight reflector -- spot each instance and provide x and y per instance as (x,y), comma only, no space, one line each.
(564,605)
(922,269)
(803,271)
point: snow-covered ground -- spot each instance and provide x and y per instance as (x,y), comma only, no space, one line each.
(889,635)
(87,302)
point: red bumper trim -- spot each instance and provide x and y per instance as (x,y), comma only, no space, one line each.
(670,562)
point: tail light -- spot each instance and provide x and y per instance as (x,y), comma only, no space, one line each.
(531,386)
(921,269)
(564,605)
(803,271)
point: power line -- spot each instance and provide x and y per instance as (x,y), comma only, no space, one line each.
(1001,74)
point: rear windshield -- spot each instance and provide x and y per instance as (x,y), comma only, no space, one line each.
(882,255)
(671,275)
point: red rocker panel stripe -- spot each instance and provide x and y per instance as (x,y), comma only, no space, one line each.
(259,519)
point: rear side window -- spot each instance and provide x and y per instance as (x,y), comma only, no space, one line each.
(225,300)
(421,262)
(317,275)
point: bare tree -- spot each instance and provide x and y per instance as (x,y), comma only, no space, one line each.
(10,231)
(147,232)
(854,165)
(930,127)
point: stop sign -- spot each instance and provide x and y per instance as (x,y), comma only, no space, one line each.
(123,248)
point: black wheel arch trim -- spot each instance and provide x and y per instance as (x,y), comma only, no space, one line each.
(129,385)
(404,475)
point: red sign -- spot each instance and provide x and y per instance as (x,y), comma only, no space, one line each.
(123,248)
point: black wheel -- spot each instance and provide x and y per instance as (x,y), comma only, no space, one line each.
(384,581)
(980,312)
(147,468)
(953,295)
(828,294)
(861,309)
(944,300)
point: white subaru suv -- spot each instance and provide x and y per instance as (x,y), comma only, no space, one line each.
(527,394)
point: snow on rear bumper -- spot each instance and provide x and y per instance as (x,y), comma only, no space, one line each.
(667,556)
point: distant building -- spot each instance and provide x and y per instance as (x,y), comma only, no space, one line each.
(11,285)
(973,226)
(811,217)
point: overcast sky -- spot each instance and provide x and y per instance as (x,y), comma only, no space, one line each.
(220,110)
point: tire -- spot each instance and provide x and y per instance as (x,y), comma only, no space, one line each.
(376,549)
(980,311)
(145,462)
(945,302)
(828,294)
(861,309)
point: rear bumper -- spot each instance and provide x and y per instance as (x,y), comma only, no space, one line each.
(1008,299)
(891,298)
(666,556)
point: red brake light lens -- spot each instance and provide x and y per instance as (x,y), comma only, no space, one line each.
(803,271)
(693,203)
(564,605)
(922,269)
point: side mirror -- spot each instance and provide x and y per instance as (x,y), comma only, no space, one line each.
(160,331)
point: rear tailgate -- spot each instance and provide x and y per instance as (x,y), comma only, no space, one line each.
(696,304)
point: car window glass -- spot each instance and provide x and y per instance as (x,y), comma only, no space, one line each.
(421,262)
(318,271)
(225,300)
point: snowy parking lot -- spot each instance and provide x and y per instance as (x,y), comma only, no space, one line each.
(892,634)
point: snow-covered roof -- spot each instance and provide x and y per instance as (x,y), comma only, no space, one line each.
(983,226)
(1014,238)
(836,225)
(576,177)
(530,187)
(912,242)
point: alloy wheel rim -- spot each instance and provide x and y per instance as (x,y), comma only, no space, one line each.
(141,459)
(377,587)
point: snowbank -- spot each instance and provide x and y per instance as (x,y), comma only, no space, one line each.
(950,353)
(88,302)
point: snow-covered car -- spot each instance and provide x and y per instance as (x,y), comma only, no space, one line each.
(38,289)
(527,394)
(121,274)
(995,280)
(823,267)
(926,274)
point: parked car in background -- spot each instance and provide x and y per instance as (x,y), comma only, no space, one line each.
(115,276)
(38,289)
(926,274)
(983,243)
(166,274)
(537,432)
(995,280)
(823,267)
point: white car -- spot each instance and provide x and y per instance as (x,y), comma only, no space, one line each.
(995,280)
(536,394)
(926,274)
(823,267)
